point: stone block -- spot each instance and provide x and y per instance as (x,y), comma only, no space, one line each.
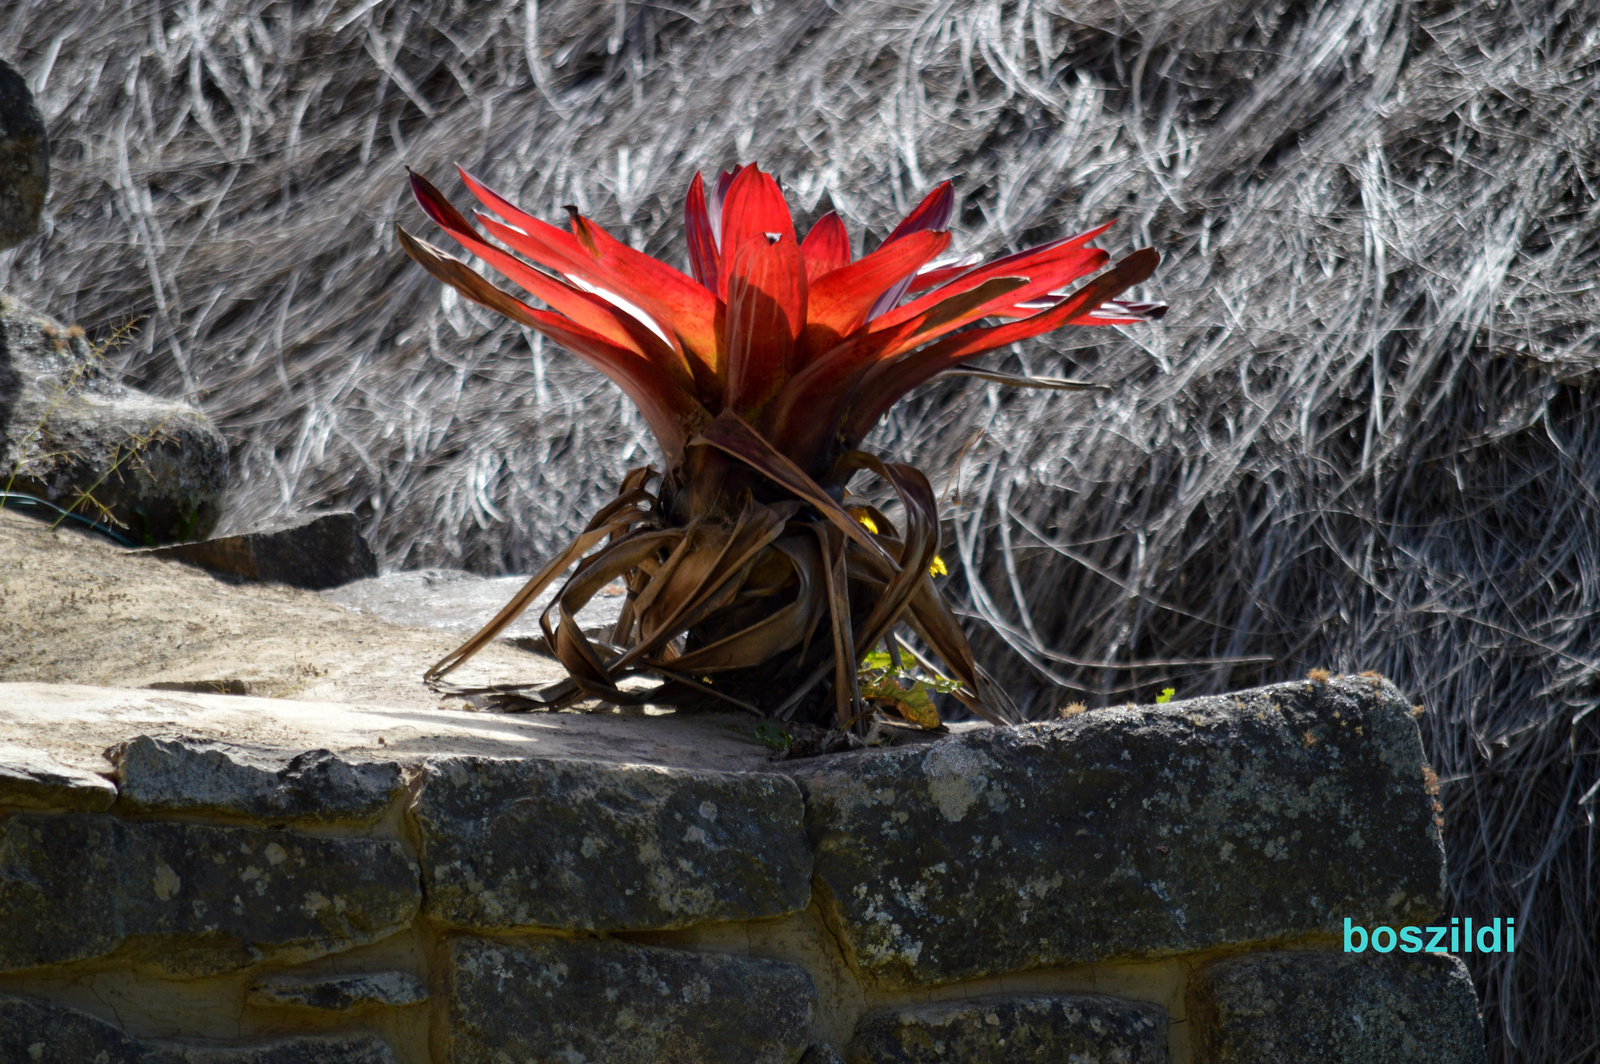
(30,779)
(24,159)
(1306,1007)
(202,777)
(188,900)
(338,993)
(155,470)
(600,1001)
(34,1032)
(1035,1029)
(1140,832)
(311,551)
(595,846)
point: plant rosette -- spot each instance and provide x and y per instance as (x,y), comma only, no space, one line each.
(759,373)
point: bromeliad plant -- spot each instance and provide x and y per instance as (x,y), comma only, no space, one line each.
(759,376)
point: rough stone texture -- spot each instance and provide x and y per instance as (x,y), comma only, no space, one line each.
(821,1054)
(157,468)
(33,1032)
(1083,1029)
(1137,832)
(314,552)
(30,779)
(559,1000)
(24,159)
(338,993)
(603,847)
(200,777)
(1302,1007)
(188,900)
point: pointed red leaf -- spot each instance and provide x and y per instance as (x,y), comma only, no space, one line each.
(1049,267)
(753,210)
(670,412)
(703,255)
(840,300)
(826,247)
(883,386)
(766,307)
(932,213)
(590,311)
(681,307)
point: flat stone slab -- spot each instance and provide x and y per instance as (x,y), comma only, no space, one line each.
(464,602)
(30,779)
(601,1001)
(1312,1007)
(187,900)
(1035,1029)
(1128,833)
(33,1032)
(200,777)
(338,993)
(313,551)
(592,846)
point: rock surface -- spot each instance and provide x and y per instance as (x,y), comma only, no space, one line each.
(187,900)
(585,845)
(1083,1029)
(24,159)
(31,779)
(156,469)
(314,552)
(1126,833)
(1305,1007)
(465,602)
(338,993)
(196,776)
(608,1002)
(33,1032)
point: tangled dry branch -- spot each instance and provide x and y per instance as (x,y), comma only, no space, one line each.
(1365,438)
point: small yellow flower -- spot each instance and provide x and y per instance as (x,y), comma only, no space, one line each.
(938,567)
(872,526)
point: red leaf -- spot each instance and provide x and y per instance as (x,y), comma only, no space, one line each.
(932,213)
(1046,268)
(670,412)
(590,311)
(766,308)
(840,300)
(753,210)
(703,255)
(884,385)
(826,247)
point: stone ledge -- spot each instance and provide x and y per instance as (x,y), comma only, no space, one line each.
(1309,1007)
(1128,833)
(34,1032)
(195,776)
(584,845)
(609,1002)
(188,900)
(1034,1029)
(30,779)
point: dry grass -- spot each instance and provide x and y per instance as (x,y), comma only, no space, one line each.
(1363,439)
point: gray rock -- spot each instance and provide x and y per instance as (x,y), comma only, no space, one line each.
(821,1054)
(187,900)
(69,433)
(1141,832)
(311,551)
(338,993)
(201,777)
(1084,1029)
(606,1002)
(35,1032)
(24,159)
(465,602)
(1305,1007)
(593,846)
(30,779)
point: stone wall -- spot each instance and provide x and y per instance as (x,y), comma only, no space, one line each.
(1153,883)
